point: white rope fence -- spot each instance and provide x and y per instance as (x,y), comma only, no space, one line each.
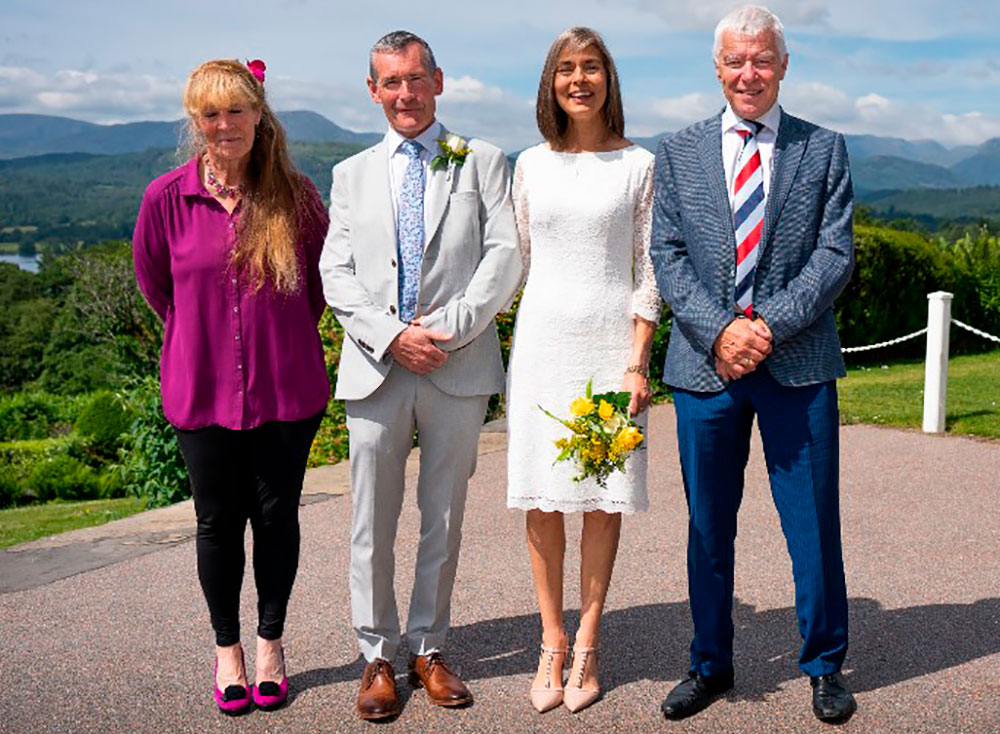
(939,321)
(975,331)
(899,340)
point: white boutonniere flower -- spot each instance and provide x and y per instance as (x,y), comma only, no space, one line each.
(454,150)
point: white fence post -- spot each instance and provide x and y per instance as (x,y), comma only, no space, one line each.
(936,362)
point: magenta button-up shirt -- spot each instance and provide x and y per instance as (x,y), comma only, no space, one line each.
(231,357)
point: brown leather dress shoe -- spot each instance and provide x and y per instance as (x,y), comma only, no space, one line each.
(443,687)
(377,697)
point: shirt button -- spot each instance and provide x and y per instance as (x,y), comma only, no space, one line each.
(237,337)
(234,281)
(236,309)
(239,366)
(392,309)
(393,262)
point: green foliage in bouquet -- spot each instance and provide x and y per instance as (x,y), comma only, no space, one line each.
(603,435)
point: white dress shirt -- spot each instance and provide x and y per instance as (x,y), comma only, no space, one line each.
(732,143)
(398,160)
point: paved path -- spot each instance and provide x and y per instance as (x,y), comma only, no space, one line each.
(121,642)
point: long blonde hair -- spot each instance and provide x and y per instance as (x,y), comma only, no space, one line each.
(276,199)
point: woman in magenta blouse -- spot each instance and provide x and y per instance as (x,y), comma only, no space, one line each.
(226,249)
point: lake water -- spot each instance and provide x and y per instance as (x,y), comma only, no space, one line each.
(25,263)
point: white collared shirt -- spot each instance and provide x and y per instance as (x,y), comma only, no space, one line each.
(398,160)
(732,143)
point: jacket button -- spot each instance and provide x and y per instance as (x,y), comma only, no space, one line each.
(392,310)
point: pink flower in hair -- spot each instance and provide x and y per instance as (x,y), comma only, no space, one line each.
(257,68)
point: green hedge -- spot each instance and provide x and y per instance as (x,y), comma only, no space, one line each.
(105,420)
(152,465)
(31,415)
(887,294)
(52,468)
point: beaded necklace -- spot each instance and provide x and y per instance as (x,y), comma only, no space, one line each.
(223,191)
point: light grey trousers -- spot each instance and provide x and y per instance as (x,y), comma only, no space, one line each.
(381,430)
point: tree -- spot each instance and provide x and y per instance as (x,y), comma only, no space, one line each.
(105,332)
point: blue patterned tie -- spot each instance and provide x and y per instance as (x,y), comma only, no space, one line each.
(410,230)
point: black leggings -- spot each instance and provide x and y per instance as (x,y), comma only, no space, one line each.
(251,475)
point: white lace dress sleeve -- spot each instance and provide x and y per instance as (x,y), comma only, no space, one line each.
(645,296)
(520,197)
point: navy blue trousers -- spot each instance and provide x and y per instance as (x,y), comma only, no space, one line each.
(799,430)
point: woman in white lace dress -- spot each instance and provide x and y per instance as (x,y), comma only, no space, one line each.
(589,309)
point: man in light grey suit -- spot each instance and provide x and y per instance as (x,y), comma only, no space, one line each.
(752,242)
(420,256)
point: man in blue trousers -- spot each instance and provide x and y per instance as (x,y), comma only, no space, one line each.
(752,242)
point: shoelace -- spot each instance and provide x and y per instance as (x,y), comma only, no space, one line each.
(373,671)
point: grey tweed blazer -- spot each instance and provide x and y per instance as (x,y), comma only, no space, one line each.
(805,260)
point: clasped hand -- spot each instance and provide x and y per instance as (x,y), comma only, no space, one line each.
(414,348)
(741,346)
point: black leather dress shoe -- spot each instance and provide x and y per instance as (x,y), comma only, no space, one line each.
(832,701)
(694,693)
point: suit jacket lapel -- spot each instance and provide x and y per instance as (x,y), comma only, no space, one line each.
(788,150)
(378,191)
(710,151)
(436,195)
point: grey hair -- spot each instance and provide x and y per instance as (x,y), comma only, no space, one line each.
(396,42)
(751,20)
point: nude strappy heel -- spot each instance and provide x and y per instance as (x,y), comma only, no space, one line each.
(575,696)
(548,697)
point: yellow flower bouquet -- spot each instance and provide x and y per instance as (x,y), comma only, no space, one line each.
(603,434)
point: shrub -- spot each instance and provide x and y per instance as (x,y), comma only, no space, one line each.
(11,490)
(887,294)
(152,465)
(25,416)
(330,445)
(980,256)
(104,420)
(111,483)
(331,442)
(64,477)
(19,457)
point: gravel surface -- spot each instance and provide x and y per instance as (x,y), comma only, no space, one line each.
(127,647)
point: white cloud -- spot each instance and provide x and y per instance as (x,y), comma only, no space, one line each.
(97,97)
(705,14)
(872,114)
(469,89)
(472,106)
(876,114)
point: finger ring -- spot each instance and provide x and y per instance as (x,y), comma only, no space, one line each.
(747,361)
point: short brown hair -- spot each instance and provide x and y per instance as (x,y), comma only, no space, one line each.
(397,42)
(552,119)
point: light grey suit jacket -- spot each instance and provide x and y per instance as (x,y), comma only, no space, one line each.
(471,268)
(806,251)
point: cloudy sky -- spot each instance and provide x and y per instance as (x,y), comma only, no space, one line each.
(916,69)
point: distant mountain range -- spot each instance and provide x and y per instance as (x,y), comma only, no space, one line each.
(56,171)
(892,164)
(29,135)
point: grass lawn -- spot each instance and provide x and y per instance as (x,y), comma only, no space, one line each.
(893,395)
(21,524)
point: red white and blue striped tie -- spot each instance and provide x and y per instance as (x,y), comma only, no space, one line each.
(748,212)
